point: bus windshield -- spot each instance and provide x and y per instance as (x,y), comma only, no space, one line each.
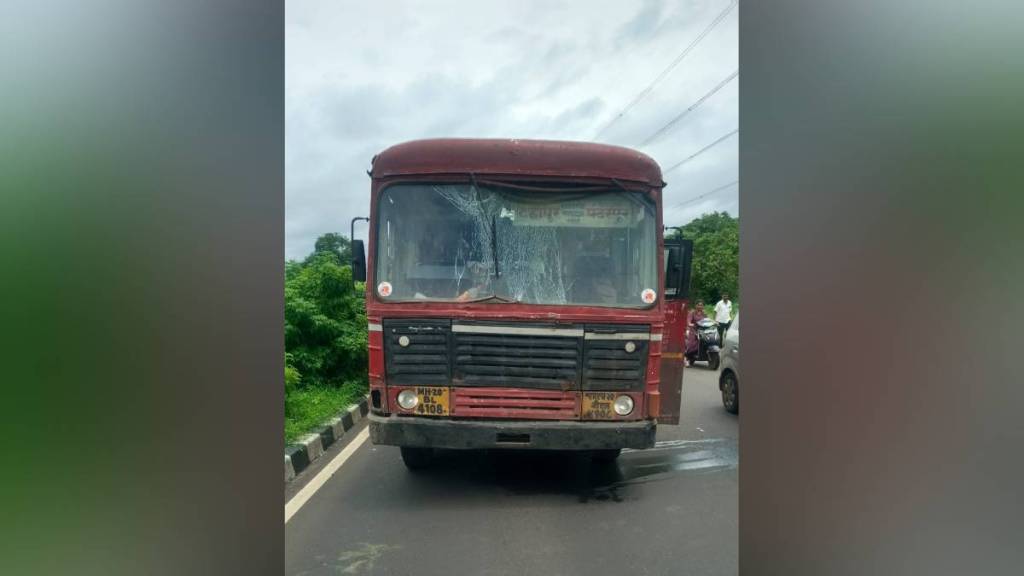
(467,243)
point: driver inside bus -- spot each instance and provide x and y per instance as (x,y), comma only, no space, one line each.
(594,283)
(480,283)
(603,290)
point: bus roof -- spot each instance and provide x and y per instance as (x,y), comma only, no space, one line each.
(512,157)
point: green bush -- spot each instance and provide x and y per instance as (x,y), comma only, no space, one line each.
(325,337)
(309,407)
(716,253)
(292,378)
(325,322)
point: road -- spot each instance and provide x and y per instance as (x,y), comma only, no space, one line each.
(670,510)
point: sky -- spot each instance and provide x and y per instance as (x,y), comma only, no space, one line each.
(362,76)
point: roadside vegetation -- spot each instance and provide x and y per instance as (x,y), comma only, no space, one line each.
(716,254)
(324,335)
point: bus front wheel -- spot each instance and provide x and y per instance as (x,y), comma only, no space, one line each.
(608,455)
(417,458)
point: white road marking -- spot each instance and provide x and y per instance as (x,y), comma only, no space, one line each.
(670,444)
(307,492)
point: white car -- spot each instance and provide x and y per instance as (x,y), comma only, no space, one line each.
(729,379)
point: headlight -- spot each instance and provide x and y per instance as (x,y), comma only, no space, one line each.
(407,399)
(623,405)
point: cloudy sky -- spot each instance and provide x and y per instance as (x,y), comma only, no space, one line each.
(361,76)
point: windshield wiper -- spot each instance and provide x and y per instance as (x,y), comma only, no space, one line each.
(494,225)
(496,298)
(494,244)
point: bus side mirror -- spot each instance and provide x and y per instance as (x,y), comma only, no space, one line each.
(678,257)
(685,267)
(358,261)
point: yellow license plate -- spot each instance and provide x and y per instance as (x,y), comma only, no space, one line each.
(598,406)
(433,401)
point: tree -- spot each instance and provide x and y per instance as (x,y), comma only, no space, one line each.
(333,243)
(716,251)
(325,320)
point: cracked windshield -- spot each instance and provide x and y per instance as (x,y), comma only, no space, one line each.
(485,243)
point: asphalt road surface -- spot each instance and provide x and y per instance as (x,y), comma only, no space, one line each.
(669,510)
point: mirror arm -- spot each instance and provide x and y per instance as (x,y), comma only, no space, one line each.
(352,227)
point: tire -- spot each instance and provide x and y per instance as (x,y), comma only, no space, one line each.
(714,360)
(417,458)
(730,392)
(607,455)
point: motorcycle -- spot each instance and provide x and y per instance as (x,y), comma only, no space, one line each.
(703,343)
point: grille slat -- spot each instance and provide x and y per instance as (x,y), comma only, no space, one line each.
(611,364)
(418,369)
(517,403)
(612,374)
(515,340)
(415,358)
(619,354)
(425,349)
(422,338)
(506,370)
(513,351)
(569,363)
(516,393)
(491,380)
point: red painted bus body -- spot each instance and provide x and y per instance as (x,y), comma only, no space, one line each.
(540,365)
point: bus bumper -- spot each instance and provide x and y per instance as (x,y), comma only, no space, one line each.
(523,434)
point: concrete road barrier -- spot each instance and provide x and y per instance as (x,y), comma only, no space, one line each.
(298,456)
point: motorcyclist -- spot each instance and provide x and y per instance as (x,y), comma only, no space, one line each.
(693,316)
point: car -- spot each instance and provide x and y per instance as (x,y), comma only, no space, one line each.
(729,379)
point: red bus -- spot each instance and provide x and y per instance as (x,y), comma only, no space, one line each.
(520,294)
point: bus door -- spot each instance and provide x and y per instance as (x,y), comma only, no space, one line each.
(678,256)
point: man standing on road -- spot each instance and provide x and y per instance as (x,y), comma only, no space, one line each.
(723,315)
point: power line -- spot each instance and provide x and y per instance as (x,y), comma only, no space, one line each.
(709,193)
(692,107)
(701,151)
(650,87)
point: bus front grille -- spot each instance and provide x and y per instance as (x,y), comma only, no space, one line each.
(516,357)
(531,356)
